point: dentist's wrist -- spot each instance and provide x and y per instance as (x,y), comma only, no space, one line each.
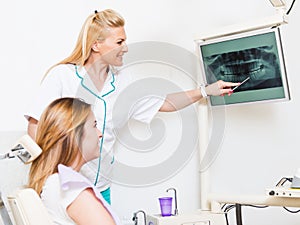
(203,91)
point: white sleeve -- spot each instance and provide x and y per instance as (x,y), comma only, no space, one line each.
(145,109)
(68,197)
(49,90)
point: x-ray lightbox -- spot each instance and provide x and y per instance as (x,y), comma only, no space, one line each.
(255,57)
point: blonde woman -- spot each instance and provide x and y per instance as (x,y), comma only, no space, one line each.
(68,135)
(88,73)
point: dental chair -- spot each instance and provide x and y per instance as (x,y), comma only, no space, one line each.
(27,208)
(23,206)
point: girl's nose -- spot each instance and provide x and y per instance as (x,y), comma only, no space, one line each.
(99,133)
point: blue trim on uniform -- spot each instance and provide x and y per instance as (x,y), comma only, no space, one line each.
(106,195)
(104,118)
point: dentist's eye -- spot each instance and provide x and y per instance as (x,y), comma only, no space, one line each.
(121,42)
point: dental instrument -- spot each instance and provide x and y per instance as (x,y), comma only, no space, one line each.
(175,200)
(244,81)
(135,217)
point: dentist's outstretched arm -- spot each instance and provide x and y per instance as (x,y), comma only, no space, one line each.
(180,100)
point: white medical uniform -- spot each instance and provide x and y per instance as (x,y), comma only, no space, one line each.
(62,81)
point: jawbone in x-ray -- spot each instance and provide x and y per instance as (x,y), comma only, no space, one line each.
(254,59)
(259,64)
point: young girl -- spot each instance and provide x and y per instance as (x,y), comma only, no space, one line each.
(68,135)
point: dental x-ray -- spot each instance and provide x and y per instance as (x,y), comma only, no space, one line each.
(255,59)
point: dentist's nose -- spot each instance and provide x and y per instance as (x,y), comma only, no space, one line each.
(125,48)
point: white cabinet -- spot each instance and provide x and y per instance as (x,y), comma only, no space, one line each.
(195,218)
(198,223)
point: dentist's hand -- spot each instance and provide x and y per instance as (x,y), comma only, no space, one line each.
(220,88)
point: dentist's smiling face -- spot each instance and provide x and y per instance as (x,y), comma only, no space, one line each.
(113,47)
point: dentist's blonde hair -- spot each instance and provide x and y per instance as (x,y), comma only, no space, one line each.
(59,134)
(95,28)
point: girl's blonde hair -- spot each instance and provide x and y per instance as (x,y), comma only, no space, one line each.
(59,134)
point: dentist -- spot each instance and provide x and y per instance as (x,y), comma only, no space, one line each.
(90,73)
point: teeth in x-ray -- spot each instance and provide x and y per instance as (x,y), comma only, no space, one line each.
(260,64)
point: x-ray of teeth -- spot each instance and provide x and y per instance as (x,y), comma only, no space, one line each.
(255,57)
(260,64)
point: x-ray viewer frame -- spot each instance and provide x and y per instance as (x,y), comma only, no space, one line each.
(255,54)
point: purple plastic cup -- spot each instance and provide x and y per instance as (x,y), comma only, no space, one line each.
(165,206)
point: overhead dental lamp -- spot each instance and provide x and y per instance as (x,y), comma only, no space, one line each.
(279,18)
(25,149)
(278,3)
